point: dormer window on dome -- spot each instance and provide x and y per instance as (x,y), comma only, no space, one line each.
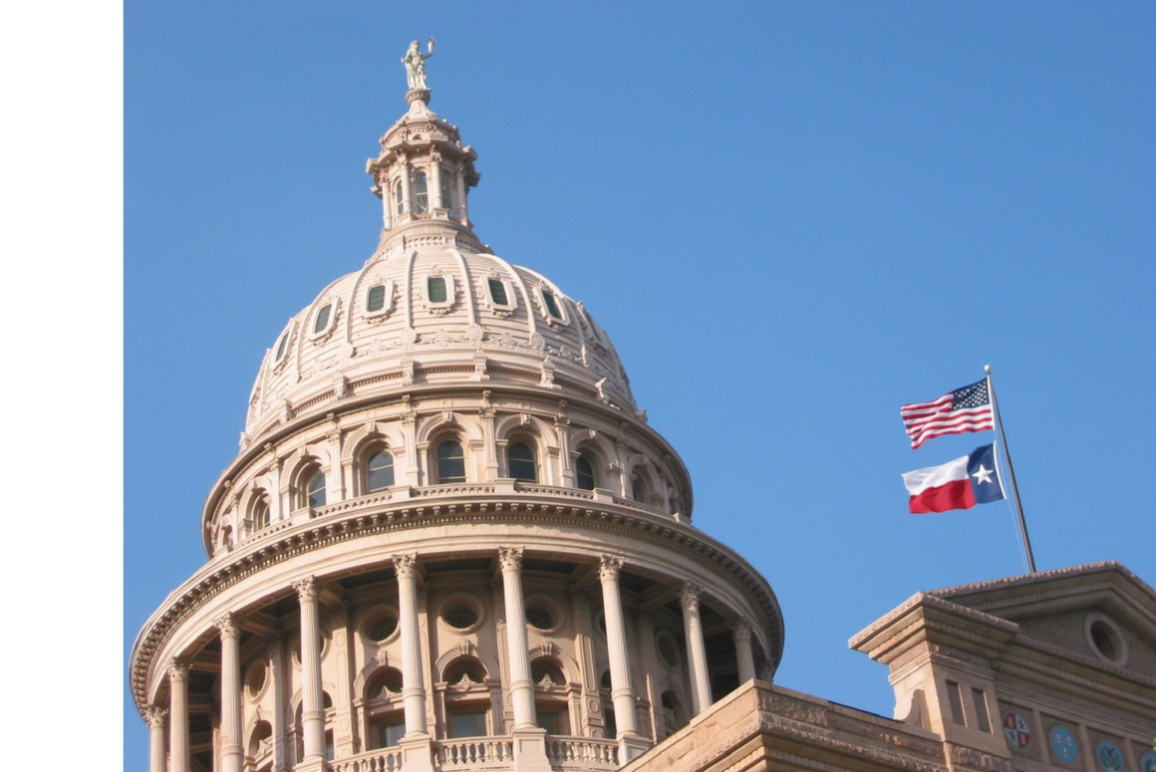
(322,321)
(379,299)
(282,346)
(551,308)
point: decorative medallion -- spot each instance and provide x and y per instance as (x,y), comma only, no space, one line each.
(1148,762)
(1064,744)
(1016,730)
(1109,756)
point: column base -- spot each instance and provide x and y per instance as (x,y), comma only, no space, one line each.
(630,747)
(530,750)
(417,753)
(315,764)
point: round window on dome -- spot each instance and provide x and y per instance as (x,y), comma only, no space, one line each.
(462,612)
(381,625)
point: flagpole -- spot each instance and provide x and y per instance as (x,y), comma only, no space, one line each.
(1010,472)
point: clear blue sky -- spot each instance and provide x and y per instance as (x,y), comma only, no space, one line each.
(791,218)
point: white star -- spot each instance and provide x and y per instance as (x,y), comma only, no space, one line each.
(983,475)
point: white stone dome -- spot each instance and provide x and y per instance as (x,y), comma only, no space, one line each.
(388,327)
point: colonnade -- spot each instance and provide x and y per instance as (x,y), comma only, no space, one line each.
(631,742)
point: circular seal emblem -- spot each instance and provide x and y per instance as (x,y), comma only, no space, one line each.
(1109,756)
(1064,744)
(1017,731)
(1148,762)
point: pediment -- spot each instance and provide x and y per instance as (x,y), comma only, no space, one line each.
(1098,614)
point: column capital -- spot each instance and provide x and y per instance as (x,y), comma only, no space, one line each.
(178,670)
(741,629)
(405,565)
(688,596)
(227,624)
(155,716)
(307,588)
(609,568)
(510,558)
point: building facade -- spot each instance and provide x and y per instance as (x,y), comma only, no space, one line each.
(450,540)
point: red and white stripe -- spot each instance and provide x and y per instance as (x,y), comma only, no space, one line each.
(927,420)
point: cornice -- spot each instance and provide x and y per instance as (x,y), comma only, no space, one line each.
(358,518)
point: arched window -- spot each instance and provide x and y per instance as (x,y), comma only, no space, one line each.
(451,462)
(378,471)
(259,512)
(464,671)
(315,488)
(399,197)
(447,201)
(584,473)
(420,194)
(640,489)
(521,462)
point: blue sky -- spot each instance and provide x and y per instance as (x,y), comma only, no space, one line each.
(791,218)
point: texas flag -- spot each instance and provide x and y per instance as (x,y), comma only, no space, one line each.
(959,484)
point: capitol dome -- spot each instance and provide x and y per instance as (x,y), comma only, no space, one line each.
(450,539)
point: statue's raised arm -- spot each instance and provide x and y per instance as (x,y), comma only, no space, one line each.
(414,61)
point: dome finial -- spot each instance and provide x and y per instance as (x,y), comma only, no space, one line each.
(414,61)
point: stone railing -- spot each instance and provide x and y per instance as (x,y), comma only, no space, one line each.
(384,760)
(474,753)
(581,753)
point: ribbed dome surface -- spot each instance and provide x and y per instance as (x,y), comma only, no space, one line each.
(388,327)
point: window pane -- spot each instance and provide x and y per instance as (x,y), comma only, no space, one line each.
(397,196)
(451,462)
(640,491)
(551,304)
(420,194)
(498,292)
(322,320)
(281,345)
(379,471)
(376,299)
(549,722)
(316,490)
(389,735)
(436,289)
(260,514)
(584,474)
(446,202)
(521,462)
(467,725)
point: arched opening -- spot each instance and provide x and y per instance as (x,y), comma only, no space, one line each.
(521,462)
(259,512)
(385,684)
(584,477)
(314,487)
(673,712)
(378,470)
(260,748)
(420,193)
(450,462)
(550,695)
(464,672)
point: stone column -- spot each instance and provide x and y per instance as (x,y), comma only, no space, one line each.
(179,711)
(156,720)
(621,688)
(387,206)
(435,179)
(695,647)
(413,689)
(313,712)
(518,644)
(232,751)
(407,199)
(529,739)
(275,651)
(463,209)
(741,632)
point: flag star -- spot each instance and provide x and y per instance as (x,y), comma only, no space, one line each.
(982,475)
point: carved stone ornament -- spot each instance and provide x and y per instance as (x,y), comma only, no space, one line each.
(178,670)
(307,588)
(688,596)
(609,568)
(510,558)
(741,629)
(227,624)
(405,565)
(156,717)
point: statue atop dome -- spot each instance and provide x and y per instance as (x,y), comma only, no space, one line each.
(414,61)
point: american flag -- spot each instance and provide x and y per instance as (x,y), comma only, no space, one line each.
(964,410)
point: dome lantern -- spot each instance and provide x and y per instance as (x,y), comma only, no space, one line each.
(423,173)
